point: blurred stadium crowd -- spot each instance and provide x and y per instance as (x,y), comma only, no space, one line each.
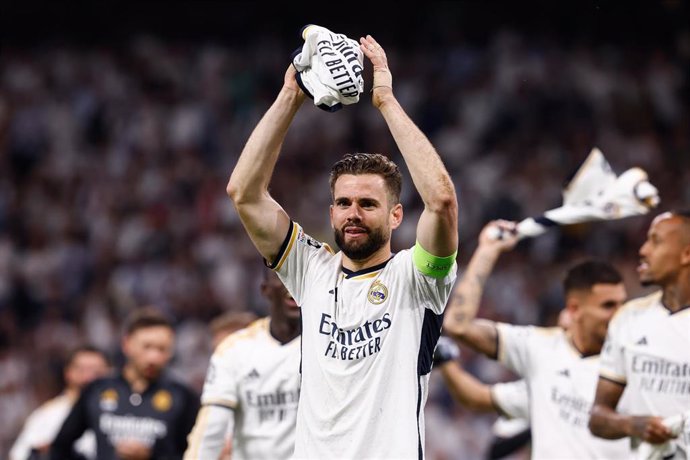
(114,160)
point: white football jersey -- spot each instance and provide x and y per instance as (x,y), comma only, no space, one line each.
(258,377)
(43,425)
(561,384)
(367,342)
(648,350)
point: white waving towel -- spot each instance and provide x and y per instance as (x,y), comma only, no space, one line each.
(595,193)
(329,68)
(675,449)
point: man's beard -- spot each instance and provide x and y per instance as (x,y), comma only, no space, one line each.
(360,251)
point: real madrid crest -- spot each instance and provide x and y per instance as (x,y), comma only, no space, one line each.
(108,400)
(162,401)
(378,292)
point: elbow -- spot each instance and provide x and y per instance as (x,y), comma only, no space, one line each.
(595,426)
(232,190)
(592,425)
(237,193)
(445,206)
(454,330)
(445,202)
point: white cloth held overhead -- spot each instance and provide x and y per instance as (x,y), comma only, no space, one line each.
(596,193)
(329,68)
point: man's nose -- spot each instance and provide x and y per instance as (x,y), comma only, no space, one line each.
(354,213)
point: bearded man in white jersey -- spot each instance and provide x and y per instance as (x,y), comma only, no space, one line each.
(647,350)
(370,318)
(559,366)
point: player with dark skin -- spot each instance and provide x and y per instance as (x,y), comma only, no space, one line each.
(664,262)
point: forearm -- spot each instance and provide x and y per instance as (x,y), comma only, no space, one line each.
(466,296)
(252,174)
(465,389)
(437,230)
(428,172)
(606,423)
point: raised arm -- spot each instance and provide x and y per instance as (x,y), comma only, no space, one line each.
(459,321)
(437,230)
(264,219)
(606,422)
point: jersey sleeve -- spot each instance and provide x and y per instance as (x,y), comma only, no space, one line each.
(296,257)
(513,346)
(21,449)
(209,435)
(511,398)
(221,384)
(612,362)
(432,293)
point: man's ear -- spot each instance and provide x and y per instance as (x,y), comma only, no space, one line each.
(572,304)
(396,216)
(685,255)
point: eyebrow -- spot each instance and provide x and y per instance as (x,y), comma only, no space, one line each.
(362,200)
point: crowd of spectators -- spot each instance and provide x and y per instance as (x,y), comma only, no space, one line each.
(114,160)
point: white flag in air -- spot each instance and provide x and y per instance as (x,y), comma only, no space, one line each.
(596,193)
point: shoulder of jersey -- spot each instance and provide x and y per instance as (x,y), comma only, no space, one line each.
(53,403)
(548,331)
(638,305)
(252,331)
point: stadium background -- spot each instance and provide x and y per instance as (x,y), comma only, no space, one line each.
(120,123)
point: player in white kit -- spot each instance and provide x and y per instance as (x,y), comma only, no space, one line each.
(370,318)
(252,384)
(559,366)
(647,351)
(83,365)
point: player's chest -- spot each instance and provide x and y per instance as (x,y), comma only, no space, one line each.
(159,404)
(662,337)
(564,376)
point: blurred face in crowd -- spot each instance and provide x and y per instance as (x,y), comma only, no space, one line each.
(591,310)
(666,250)
(85,367)
(282,303)
(148,350)
(361,215)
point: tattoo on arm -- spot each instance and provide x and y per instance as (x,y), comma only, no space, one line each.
(467,294)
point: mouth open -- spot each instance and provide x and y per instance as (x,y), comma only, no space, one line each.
(642,267)
(355,232)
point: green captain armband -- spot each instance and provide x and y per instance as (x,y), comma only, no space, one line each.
(431,265)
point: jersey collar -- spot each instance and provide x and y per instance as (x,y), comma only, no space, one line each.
(351,274)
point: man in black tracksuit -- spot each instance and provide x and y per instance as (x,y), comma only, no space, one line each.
(139,413)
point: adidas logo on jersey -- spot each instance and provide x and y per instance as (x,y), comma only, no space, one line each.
(564,373)
(642,341)
(254,374)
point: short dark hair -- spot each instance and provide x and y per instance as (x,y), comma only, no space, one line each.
(369,163)
(585,275)
(85,349)
(146,317)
